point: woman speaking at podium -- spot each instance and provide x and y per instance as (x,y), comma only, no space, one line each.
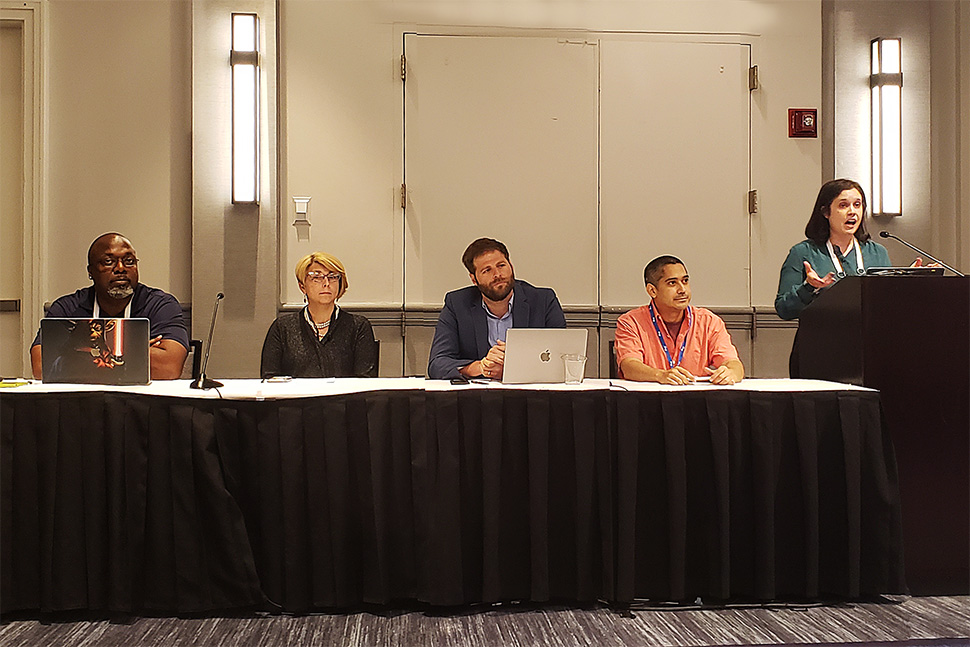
(836,245)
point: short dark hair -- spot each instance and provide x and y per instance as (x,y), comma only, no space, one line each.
(479,247)
(655,268)
(817,229)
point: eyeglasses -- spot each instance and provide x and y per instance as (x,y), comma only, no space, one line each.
(320,277)
(109,262)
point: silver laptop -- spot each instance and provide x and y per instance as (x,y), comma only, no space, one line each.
(534,355)
(95,351)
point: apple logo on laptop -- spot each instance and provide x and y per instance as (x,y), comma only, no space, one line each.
(545,355)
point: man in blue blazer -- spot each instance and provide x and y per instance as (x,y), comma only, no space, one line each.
(469,340)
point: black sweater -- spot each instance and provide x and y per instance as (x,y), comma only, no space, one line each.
(292,348)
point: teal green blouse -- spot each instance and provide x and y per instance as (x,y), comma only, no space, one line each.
(794,293)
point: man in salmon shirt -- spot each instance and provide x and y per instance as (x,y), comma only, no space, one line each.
(669,341)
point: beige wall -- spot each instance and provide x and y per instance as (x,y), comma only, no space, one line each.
(119,138)
(933,32)
(341,114)
(342,102)
(341,126)
(962,165)
(856,24)
(234,247)
(123,77)
(950,143)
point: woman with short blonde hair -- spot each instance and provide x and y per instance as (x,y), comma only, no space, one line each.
(321,340)
(330,262)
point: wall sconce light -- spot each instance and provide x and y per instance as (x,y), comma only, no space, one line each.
(886,83)
(244,60)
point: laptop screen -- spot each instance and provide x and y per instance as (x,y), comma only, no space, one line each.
(95,351)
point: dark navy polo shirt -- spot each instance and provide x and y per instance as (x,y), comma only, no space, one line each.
(160,308)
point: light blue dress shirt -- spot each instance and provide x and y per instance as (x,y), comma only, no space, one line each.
(498,326)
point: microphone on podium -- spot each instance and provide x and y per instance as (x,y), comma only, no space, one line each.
(886,234)
(202,382)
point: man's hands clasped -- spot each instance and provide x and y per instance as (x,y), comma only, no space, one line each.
(678,375)
(493,364)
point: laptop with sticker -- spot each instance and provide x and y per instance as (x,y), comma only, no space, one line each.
(95,351)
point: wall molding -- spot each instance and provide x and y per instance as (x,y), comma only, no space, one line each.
(735,318)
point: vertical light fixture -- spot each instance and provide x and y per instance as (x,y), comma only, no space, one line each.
(886,84)
(244,60)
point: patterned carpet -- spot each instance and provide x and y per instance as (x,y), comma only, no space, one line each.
(900,622)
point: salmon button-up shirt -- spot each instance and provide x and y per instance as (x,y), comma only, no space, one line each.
(708,341)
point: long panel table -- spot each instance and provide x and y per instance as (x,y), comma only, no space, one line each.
(333,493)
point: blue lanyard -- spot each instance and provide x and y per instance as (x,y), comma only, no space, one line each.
(663,344)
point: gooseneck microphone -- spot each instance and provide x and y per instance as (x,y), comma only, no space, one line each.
(202,382)
(886,234)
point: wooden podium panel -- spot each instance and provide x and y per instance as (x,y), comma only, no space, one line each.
(909,337)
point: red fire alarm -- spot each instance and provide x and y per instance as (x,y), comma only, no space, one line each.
(802,122)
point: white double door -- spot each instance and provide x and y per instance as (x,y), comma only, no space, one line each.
(586,157)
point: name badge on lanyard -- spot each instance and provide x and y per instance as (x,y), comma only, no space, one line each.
(663,344)
(96,311)
(859,264)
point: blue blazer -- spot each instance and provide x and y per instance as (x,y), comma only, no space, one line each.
(461,336)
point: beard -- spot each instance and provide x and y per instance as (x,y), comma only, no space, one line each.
(120,292)
(496,293)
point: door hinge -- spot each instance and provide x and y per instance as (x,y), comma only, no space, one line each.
(753,82)
(404,68)
(404,196)
(752,202)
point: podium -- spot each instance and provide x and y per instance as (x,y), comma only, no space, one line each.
(909,337)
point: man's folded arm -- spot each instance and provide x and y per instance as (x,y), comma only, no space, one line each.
(36,363)
(166,358)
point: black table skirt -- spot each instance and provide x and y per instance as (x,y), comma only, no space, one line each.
(117,502)
(145,503)
(755,495)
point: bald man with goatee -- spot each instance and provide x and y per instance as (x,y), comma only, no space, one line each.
(116,292)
